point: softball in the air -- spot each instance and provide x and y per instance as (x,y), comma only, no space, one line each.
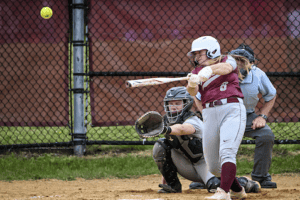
(46,12)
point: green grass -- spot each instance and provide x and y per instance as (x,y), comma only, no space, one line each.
(286,159)
(69,168)
(278,149)
(284,130)
(30,135)
(123,161)
(282,164)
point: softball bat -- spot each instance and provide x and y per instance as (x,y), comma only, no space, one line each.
(152,81)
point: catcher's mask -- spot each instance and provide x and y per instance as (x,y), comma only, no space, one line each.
(177,93)
(245,51)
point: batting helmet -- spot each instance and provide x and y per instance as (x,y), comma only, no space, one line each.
(177,93)
(207,43)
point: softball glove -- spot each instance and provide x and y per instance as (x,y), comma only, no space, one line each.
(150,125)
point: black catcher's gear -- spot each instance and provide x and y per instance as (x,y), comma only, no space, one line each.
(249,185)
(190,146)
(212,184)
(162,157)
(245,51)
(151,124)
(177,93)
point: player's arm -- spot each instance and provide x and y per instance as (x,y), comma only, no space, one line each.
(192,90)
(198,103)
(267,107)
(224,68)
(260,122)
(218,69)
(182,129)
(193,83)
(221,68)
(268,92)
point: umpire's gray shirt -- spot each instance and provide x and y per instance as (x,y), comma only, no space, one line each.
(254,83)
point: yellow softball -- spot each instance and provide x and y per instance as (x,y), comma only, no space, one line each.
(46,12)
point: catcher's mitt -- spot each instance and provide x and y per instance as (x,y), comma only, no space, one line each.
(149,125)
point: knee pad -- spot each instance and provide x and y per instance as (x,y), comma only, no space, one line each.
(163,160)
(162,154)
(161,150)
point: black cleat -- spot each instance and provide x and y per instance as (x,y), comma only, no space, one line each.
(268,184)
(249,185)
(169,189)
(197,185)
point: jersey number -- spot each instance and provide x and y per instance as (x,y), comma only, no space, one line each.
(223,87)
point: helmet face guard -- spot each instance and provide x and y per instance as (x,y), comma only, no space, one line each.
(177,93)
(171,114)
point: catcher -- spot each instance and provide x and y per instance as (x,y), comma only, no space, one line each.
(181,149)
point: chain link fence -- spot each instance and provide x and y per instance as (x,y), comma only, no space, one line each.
(128,40)
(34,75)
(142,39)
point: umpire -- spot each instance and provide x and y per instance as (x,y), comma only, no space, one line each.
(255,82)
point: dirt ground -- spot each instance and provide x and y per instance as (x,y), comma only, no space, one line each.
(128,189)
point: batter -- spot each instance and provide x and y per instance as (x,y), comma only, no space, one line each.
(224,114)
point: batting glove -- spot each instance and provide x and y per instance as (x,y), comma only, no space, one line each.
(193,80)
(205,73)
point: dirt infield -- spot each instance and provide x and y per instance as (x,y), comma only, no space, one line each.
(124,189)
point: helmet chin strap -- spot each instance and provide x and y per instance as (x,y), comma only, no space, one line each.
(200,63)
(196,62)
(244,72)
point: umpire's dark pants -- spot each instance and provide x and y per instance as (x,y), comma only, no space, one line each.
(264,141)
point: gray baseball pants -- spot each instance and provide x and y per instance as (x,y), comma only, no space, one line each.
(264,141)
(224,128)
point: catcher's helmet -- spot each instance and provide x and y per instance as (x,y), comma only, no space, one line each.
(206,43)
(177,93)
(245,51)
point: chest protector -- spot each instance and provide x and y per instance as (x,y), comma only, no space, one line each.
(190,146)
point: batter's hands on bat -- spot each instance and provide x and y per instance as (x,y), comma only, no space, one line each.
(258,122)
(205,74)
(193,80)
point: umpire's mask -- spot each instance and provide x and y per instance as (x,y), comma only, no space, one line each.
(177,93)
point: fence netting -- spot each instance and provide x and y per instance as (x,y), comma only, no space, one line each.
(34,106)
(142,39)
(128,40)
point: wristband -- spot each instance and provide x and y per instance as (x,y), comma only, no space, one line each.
(167,130)
(263,116)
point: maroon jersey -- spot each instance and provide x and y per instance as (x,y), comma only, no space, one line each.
(219,86)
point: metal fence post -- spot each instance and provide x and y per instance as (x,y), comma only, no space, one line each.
(78,43)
